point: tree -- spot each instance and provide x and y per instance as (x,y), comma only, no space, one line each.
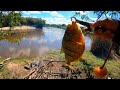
(1,19)
(14,18)
(17,18)
(11,21)
(23,21)
(110,14)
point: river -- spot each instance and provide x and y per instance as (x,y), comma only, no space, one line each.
(34,43)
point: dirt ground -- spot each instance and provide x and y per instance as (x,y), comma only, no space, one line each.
(53,69)
(17,71)
(46,69)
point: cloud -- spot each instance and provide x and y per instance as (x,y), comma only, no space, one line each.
(16,11)
(30,16)
(55,13)
(26,12)
(45,11)
(94,19)
(56,20)
(5,13)
(34,12)
(31,12)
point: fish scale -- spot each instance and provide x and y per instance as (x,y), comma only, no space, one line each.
(73,43)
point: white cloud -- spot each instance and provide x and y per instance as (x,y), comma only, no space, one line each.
(53,13)
(34,12)
(5,13)
(26,12)
(94,19)
(57,20)
(84,13)
(45,11)
(30,16)
(16,11)
(30,12)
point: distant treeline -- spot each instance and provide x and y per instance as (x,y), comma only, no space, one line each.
(64,26)
(56,25)
(12,18)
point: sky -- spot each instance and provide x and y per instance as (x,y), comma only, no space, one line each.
(58,17)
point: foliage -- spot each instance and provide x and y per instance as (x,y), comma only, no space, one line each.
(0,19)
(13,18)
(33,21)
(110,14)
(57,25)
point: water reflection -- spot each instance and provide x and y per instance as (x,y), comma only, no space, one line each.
(88,42)
(34,43)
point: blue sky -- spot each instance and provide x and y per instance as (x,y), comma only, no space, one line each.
(57,17)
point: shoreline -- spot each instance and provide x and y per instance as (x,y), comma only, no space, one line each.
(18,28)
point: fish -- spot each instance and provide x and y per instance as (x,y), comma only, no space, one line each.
(73,44)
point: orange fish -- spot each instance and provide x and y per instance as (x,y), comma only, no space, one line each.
(73,43)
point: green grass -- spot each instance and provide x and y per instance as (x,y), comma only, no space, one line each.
(54,54)
(89,61)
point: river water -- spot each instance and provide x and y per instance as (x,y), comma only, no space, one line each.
(34,43)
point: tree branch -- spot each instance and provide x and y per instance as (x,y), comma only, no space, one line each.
(100,15)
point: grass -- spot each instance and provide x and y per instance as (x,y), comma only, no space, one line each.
(89,61)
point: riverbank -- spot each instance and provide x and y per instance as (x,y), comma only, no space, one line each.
(18,28)
(14,68)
